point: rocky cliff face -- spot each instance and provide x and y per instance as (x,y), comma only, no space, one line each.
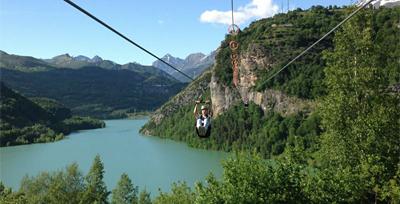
(255,59)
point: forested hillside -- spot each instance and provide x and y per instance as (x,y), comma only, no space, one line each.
(287,111)
(279,39)
(25,121)
(332,115)
(90,88)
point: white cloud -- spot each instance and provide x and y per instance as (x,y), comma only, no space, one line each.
(252,10)
(160,22)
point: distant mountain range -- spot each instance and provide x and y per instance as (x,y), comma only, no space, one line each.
(193,65)
(89,86)
(23,63)
(65,60)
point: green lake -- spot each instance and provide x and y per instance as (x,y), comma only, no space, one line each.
(150,162)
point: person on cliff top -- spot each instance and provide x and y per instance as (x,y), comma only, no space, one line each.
(203,120)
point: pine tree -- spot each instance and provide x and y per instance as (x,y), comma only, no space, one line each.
(125,192)
(96,190)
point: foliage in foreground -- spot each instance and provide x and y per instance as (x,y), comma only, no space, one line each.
(360,113)
(247,178)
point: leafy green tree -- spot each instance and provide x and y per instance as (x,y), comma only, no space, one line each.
(125,192)
(57,187)
(361,144)
(74,183)
(7,196)
(144,197)
(96,190)
(248,178)
(180,194)
(209,193)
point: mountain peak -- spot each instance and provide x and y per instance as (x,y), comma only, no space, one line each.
(168,57)
(96,59)
(3,53)
(62,58)
(66,55)
(66,60)
(82,58)
(194,58)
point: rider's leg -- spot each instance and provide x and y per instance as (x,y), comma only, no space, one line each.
(198,123)
(207,122)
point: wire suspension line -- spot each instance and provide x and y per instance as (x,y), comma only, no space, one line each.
(233,22)
(124,37)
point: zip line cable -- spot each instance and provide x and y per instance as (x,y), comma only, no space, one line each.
(124,37)
(232,12)
(323,37)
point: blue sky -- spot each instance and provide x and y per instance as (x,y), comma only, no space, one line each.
(47,28)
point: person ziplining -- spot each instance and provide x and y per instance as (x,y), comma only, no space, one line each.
(203,119)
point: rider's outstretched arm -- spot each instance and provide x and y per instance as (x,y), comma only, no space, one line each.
(195,110)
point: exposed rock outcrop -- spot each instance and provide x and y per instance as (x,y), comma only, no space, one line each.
(255,59)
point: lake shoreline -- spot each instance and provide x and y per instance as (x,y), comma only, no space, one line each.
(151,162)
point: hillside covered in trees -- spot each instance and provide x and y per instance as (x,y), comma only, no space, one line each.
(99,88)
(332,114)
(25,121)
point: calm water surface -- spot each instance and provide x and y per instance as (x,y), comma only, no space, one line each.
(150,162)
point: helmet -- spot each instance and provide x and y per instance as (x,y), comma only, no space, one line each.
(204,107)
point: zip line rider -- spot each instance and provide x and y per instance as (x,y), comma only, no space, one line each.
(203,119)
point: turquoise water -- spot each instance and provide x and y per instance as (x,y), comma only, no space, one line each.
(150,162)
